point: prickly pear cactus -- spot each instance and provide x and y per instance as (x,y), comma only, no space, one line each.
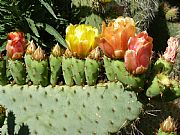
(102,109)
(115,70)
(175,73)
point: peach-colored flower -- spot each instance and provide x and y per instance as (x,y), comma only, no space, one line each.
(171,50)
(16,45)
(138,55)
(114,38)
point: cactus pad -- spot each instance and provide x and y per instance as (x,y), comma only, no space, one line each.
(101,110)
(18,71)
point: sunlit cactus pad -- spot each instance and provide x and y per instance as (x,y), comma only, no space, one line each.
(64,110)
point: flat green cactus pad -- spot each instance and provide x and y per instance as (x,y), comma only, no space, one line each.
(64,110)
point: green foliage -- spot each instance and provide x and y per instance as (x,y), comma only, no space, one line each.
(71,110)
(29,16)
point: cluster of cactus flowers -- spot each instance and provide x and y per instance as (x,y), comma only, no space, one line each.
(81,62)
(124,55)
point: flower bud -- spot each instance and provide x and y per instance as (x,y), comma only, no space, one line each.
(31,48)
(168,125)
(38,54)
(57,51)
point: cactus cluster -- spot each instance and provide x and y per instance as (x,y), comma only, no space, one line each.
(120,56)
(165,78)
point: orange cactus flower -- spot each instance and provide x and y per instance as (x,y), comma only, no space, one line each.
(171,50)
(138,55)
(16,45)
(114,38)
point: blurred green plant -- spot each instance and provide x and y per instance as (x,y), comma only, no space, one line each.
(44,21)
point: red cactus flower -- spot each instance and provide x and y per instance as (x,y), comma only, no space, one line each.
(171,50)
(138,55)
(16,45)
(114,38)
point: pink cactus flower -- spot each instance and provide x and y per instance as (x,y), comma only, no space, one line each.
(171,50)
(138,55)
(16,45)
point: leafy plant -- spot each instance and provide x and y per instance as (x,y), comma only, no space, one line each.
(41,20)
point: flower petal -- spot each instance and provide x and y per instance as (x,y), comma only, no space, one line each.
(130,60)
(144,55)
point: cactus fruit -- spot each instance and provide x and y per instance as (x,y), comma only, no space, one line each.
(15,47)
(67,73)
(55,61)
(18,71)
(100,109)
(115,70)
(92,65)
(77,69)
(39,68)
(167,127)
(27,58)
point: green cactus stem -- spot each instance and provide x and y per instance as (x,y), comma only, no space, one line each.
(115,70)
(159,84)
(3,78)
(18,71)
(161,65)
(67,73)
(55,61)
(27,58)
(78,72)
(109,69)
(92,66)
(99,110)
(39,67)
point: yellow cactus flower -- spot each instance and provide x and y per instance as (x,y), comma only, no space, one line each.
(81,39)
